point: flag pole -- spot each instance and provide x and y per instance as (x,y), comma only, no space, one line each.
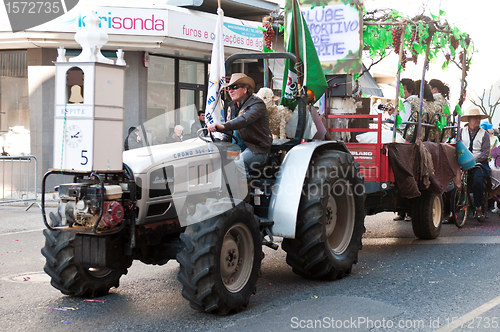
(218,2)
(296,38)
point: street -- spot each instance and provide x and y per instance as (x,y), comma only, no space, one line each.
(400,283)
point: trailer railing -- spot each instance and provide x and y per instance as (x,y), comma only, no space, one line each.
(18,179)
(372,157)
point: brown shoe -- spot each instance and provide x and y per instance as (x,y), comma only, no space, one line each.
(479,214)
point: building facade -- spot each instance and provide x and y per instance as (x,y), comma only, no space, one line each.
(167,51)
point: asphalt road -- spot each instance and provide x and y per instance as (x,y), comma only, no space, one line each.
(399,284)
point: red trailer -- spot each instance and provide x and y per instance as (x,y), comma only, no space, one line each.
(412,189)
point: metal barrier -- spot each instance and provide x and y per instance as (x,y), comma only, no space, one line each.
(19,179)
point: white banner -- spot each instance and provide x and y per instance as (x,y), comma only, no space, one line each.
(335,31)
(217,72)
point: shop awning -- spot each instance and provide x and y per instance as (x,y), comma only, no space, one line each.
(237,8)
(369,86)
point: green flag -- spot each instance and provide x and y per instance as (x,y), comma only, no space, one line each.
(401,91)
(401,106)
(441,123)
(399,121)
(446,109)
(458,109)
(312,76)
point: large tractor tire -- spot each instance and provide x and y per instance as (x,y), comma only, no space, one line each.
(220,261)
(70,278)
(427,214)
(330,220)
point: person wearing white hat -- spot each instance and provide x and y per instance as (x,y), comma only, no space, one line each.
(249,118)
(478,141)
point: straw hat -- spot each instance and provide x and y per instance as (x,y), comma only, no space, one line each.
(473,112)
(239,78)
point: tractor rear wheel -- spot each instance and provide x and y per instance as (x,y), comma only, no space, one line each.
(330,221)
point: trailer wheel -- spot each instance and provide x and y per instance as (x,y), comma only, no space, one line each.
(220,261)
(330,220)
(427,215)
(70,278)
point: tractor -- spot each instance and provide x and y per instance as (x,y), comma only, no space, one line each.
(189,201)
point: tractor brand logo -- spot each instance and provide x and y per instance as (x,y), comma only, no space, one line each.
(24,15)
(160,180)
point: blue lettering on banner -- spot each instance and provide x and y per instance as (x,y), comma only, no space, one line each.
(211,100)
(209,119)
(244,31)
(334,29)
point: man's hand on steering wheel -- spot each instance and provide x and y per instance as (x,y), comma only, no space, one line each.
(215,127)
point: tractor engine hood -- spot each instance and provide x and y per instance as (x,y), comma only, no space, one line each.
(142,159)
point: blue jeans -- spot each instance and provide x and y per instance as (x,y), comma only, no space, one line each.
(252,160)
(479,175)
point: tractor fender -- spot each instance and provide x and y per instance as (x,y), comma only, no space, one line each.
(285,200)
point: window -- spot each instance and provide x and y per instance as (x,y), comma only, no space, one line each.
(191,72)
(161,96)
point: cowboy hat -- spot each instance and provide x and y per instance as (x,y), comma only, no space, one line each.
(473,112)
(240,78)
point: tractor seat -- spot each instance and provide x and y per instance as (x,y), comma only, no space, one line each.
(267,169)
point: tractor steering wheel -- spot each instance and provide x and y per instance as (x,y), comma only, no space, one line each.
(212,138)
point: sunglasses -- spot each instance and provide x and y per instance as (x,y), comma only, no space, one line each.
(234,87)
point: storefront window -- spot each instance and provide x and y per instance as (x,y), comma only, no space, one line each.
(14,103)
(161,96)
(191,72)
(164,112)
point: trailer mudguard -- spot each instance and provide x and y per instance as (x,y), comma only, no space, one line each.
(285,200)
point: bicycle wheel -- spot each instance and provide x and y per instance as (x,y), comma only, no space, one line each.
(460,206)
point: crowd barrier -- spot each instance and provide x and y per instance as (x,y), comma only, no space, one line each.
(18,179)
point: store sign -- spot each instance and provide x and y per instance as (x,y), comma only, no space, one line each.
(122,21)
(200,27)
(176,22)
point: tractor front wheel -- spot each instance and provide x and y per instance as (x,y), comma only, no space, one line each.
(220,261)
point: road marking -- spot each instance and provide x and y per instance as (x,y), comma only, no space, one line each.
(439,240)
(22,232)
(469,316)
